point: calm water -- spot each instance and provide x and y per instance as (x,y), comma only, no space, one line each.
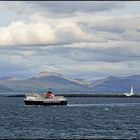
(82,118)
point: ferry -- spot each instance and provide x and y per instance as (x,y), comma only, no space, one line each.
(44,99)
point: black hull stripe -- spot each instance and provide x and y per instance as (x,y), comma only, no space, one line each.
(44,103)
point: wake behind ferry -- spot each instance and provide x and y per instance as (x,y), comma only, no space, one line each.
(44,99)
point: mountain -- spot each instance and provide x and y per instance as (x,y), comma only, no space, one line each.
(117,84)
(83,81)
(42,81)
(5,89)
(46,73)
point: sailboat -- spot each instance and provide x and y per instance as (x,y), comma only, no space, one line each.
(131,93)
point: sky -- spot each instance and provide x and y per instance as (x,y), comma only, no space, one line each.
(81,39)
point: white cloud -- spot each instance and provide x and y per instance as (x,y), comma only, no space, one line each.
(34,33)
(70,38)
(26,34)
(70,30)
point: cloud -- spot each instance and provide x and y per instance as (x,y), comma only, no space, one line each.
(20,33)
(83,60)
(69,37)
(72,40)
(116,51)
(117,28)
(71,30)
(69,7)
(61,7)
(97,70)
(16,64)
(25,34)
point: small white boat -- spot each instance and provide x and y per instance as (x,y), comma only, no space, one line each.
(131,93)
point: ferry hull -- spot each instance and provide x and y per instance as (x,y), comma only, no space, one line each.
(44,103)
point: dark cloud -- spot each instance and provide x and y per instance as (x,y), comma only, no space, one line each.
(86,52)
(63,6)
(118,53)
(103,28)
(73,6)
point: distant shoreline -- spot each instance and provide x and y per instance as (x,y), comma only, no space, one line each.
(81,95)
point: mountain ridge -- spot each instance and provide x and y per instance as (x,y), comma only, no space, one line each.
(42,81)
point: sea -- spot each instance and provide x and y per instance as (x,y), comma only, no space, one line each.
(82,118)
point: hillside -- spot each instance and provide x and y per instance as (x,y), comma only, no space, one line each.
(41,82)
(5,89)
(117,84)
